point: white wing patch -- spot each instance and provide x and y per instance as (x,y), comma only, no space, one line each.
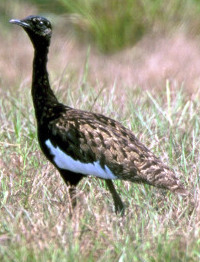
(66,162)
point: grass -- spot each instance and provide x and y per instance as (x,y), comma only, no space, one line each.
(34,208)
(113,25)
(158,226)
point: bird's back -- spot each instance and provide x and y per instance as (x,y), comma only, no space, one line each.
(93,138)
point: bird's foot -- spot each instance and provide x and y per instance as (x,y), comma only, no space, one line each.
(119,207)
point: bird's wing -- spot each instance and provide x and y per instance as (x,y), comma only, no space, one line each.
(107,149)
(91,138)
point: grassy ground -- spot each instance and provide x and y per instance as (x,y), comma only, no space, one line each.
(34,208)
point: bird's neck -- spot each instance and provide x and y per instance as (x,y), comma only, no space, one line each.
(43,96)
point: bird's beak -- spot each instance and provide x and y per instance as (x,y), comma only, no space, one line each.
(20,23)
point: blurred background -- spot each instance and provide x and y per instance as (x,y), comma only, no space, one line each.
(133,43)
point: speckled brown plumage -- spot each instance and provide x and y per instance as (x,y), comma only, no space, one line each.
(70,137)
(96,137)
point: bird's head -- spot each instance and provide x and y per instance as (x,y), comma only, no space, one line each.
(37,27)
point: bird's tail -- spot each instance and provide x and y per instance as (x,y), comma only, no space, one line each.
(160,175)
(180,189)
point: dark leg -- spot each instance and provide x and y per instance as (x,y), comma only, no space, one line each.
(119,206)
(71,179)
(72,195)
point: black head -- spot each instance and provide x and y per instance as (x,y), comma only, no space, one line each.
(37,27)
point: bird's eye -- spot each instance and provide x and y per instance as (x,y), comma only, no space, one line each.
(41,23)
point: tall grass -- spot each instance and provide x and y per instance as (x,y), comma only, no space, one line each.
(157,226)
(116,24)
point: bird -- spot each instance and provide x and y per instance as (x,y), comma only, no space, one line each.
(81,143)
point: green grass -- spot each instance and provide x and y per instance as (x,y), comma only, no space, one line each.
(35,223)
(115,24)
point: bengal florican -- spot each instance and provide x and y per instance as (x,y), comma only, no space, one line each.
(80,143)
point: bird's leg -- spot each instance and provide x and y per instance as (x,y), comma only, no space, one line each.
(119,206)
(71,179)
(72,199)
(72,195)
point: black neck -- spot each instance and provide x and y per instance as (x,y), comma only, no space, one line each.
(42,94)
